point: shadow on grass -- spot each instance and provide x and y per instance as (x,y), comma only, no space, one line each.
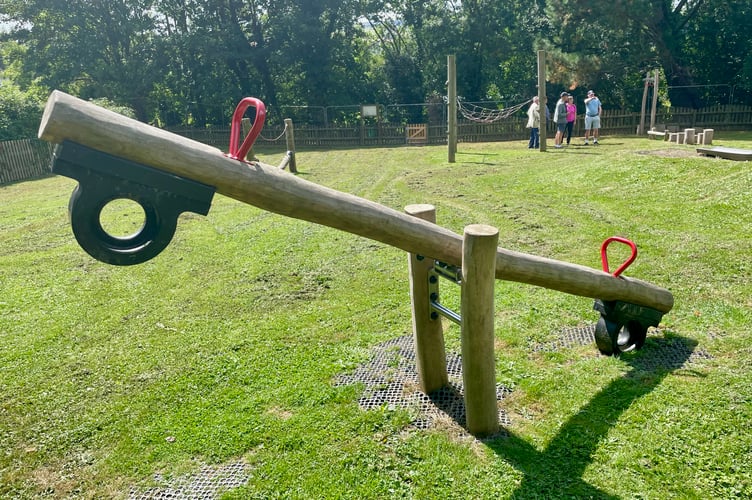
(482,154)
(557,471)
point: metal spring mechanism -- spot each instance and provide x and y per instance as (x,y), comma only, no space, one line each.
(103,178)
(448,272)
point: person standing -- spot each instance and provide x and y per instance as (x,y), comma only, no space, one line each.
(560,119)
(533,123)
(592,116)
(571,117)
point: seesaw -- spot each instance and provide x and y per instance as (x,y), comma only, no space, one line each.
(115,157)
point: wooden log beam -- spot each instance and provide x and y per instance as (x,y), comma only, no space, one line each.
(267,187)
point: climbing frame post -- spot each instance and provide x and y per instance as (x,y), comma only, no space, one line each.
(451,107)
(428,334)
(477,328)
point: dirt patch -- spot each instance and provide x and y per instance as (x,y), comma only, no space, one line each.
(671,153)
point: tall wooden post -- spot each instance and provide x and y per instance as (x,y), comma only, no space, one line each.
(290,142)
(452,106)
(428,335)
(477,330)
(656,81)
(542,98)
(641,126)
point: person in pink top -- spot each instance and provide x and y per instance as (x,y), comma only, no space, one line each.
(571,117)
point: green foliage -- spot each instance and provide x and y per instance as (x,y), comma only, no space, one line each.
(117,108)
(190,62)
(19,113)
(608,45)
(720,51)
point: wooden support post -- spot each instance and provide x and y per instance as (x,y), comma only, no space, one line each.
(477,311)
(641,126)
(245,126)
(656,81)
(290,141)
(428,335)
(452,107)
(542,101)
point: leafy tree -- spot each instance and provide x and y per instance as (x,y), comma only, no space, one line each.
(719,46)
(91,49)
(611,44)
(19,113)
(283,52)
(190,61)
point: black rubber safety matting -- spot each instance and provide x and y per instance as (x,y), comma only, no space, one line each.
(209,482)
(391,379)
(659,352)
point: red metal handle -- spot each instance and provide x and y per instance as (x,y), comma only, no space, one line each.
(604,257)
(239,152)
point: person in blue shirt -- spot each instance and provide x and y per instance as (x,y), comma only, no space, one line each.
(592,116)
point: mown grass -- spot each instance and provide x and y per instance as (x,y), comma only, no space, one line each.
(226,345)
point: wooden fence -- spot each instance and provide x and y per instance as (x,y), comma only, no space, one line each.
(24,159)
(723,117)
(30,158)
(613,122)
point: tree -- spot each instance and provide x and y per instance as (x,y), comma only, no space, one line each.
(611,44)
(91,49)
(19,113)
(719,45)
(190,61)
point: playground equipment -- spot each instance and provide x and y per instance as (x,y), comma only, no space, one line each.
(115,157)
(476,113)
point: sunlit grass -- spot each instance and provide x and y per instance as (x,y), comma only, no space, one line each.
(226,345)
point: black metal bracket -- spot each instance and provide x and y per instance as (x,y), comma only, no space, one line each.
(103,178)
(622,326)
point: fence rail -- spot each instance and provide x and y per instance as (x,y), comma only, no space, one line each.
(30,158)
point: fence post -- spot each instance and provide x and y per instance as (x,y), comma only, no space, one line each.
(477,331)
(428,335)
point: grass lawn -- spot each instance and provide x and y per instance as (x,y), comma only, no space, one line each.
(227,347)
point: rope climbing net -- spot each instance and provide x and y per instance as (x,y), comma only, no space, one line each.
(487,115)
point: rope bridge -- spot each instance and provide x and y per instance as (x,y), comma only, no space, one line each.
(487,115)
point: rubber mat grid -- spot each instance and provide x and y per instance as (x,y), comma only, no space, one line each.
(210,482)
(657,353)
(391,379)
(568,338)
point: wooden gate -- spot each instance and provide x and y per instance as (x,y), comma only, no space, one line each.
(417,134)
